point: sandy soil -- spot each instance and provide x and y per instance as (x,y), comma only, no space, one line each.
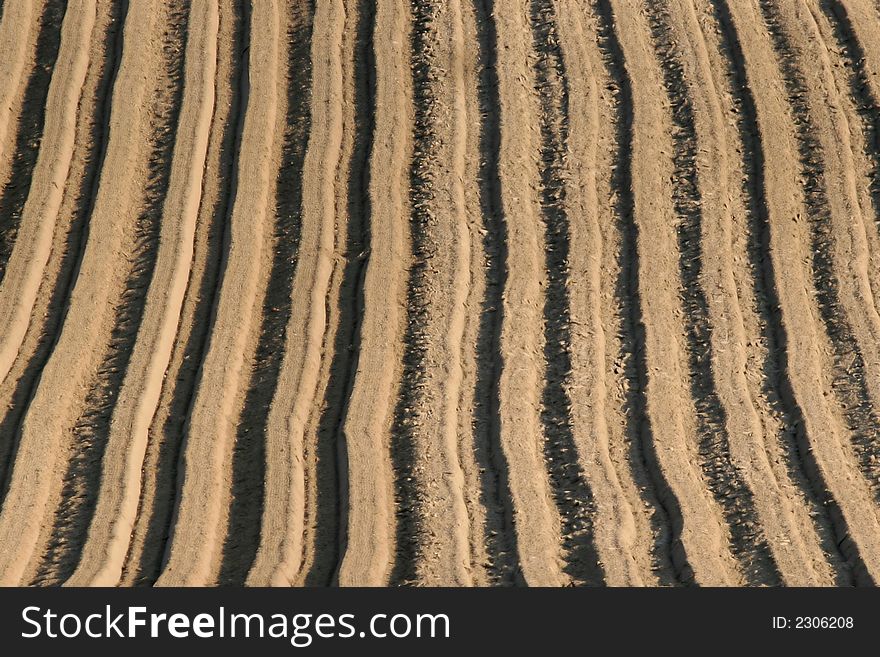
(452,292)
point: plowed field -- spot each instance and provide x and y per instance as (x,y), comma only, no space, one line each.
(440,292)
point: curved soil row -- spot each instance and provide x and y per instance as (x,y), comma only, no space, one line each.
(196,544)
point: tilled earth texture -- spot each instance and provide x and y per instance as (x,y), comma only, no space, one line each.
(440,292)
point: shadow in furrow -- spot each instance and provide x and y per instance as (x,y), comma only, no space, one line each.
(849,385)
(571,491)
(495,495)
(406,484)
(803,467)
(82,480)
(249,453)
(170,436)
(724,479)
(30,128)
(331,512)
(863,97)
(668,555)
(12,200)
(92,152)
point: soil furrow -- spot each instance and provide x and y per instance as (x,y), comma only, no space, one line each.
(462,399)
(848,374)
(738,334)
(28,138)
(20,282)
(81,482)
(250,457)
(720,471)
(305,194)
(536,518)
(666,519)
(46,431)
(704,536)
(158,485)
(19,29)
(847,131)
(776,385)
(109,533)
(434,442)
(499,535)
(574,499)
(773,164)
(370,516)
(621,526)
(195,547)
(852,57)
(90,120)
(855,26)
(329,517)
(409,492)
